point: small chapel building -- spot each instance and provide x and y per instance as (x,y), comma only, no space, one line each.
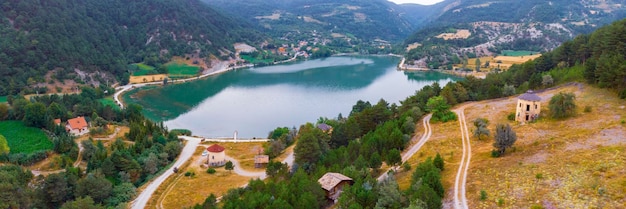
(528,107)
(216,156)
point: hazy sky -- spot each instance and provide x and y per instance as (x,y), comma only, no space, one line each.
(424,2)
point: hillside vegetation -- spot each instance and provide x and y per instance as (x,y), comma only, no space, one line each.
(91,35)
(533,25)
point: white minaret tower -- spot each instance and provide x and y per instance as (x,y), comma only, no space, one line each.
(235,137)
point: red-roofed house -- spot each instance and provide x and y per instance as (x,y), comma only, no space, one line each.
(216,156)
(57,121)
(77,126)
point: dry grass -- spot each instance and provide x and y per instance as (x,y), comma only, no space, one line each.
(147,78)
(413,46)
(181,191)
(285,153)
(445,140)
(506,62)
(460,34)
(573,163)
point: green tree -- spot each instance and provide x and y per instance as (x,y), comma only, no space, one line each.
(82,203)
(547,80)
(35,115)
(229,166)
(562,105)
(307,150)
(389,194)
(508,90)
(481,128)
(393,157)
(97,187)
(4,145)
(375,161)
(440,109)
(438,162)
(505,138)
(122,193)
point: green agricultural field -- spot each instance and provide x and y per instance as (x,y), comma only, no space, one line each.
(3,99)
(176,69)
(143,69)
(24,139)
(255,60)
(109,102)
(517,53)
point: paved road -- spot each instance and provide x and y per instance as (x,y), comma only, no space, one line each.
(416,147)
(141,200)
(460,200)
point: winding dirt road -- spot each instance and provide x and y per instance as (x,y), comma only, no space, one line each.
(416,147)
(460,201)
(142,199)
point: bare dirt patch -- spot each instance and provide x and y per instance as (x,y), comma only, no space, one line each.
(413,46)
(274,16)
(460,34)
(311,19)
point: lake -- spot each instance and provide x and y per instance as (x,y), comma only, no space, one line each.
(255,101)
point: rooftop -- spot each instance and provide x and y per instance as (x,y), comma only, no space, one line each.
(530,96)
(215,148)
(77,123)
(330,180)
(324,126)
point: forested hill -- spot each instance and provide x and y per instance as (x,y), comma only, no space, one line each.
(534,25)
(367,20)
(37,36)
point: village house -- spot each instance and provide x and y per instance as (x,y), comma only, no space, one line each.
(77,126)
(325,128)
(333,184)
(528,107)
(57,121)
(216,156)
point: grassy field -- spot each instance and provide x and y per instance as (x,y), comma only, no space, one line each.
(577,162)
(446,141)
(517,53)
(179,191)
(178,69)
(24,139)
(109,102)
(143,69)
(3,99)
(502,62)
(254,60)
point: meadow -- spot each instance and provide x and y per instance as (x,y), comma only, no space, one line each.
(108,101)
(24,139)
(517,53)
(3,99)
(181,69)
(143,69)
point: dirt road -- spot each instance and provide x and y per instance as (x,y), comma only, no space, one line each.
(460,201)
(417,146)
(142,199)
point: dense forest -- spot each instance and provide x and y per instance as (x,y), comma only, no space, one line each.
(113,172)
(39,36)
(373,134)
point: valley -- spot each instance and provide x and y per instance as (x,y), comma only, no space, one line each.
(312,104)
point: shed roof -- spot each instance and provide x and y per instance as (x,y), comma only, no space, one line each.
(530,96)
(215,148)
(262,159)
(331,180)
(57,121)
(77,123)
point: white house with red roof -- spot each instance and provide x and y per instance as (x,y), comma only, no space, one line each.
(77,126)
(216,156)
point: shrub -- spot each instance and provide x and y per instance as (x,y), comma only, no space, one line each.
(181,132)
(210,171)
(562,105)
(622,94)
(483,195)
(406,166)
(511,117)
(587,108)
(500,202)
(536,206)
(495,153)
